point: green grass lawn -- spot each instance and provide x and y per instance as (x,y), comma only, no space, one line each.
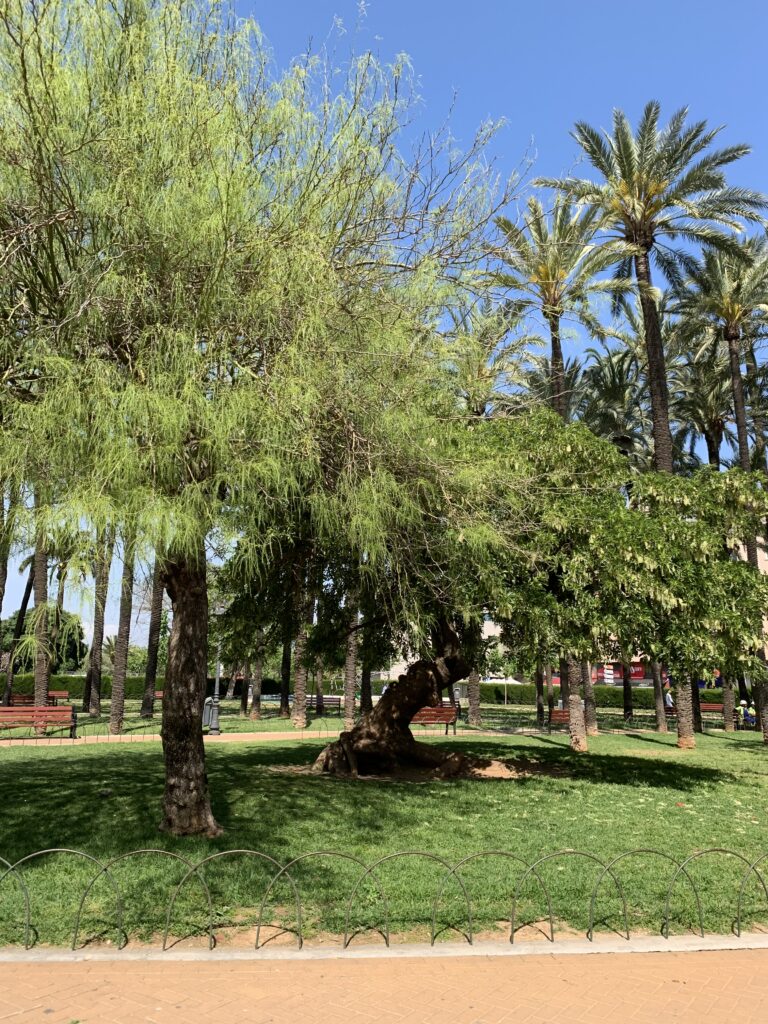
(628,792)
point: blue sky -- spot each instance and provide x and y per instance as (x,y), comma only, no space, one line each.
(541,67)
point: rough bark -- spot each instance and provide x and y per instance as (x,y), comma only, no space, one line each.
(382,741)
(18,630)
(473,698)
(366,695)
(350,670)
(42,650)
(590,710)
(120,668)
(733,338)
(657,367)
(576,726)
(258,675)
(285,670)
(557,370)
(713,442)
(728,704)
(626,685)
(153,641)
(92,692)
(684,701)
(186,802)
(538,680)
(658,698)
(300,676)
(565,682)
(696,707)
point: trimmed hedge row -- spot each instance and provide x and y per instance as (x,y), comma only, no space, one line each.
(605,696)
(24,682)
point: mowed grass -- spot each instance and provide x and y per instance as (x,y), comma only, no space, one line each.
(629,792)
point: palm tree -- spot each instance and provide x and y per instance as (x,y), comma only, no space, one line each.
(612,400)
(552,267)
(539,385)
(705,397)
(659,186)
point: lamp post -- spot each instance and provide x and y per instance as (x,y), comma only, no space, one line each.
(214,729)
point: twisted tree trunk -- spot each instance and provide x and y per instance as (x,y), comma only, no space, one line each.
(186,802)
(153,641)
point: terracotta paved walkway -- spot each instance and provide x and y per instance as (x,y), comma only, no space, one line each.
(725,987)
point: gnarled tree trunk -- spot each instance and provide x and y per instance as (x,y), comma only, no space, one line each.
(186,802)
(153,641)
(382,741)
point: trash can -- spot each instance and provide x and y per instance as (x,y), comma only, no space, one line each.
(207,712)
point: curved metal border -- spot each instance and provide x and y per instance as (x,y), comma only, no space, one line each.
(429,856)
(641,851)
(116,860)
(477,856)
(752,867)
(72,853)
(326,853)
(552,856)
(696,856)
(10,869)
(207,860)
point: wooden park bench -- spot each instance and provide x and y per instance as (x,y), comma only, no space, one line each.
(328,702)
(714,708)
(27,700)
(559,718)
(54,696)
(39,718)
(437,716)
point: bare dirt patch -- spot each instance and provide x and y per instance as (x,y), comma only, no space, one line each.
(456,766)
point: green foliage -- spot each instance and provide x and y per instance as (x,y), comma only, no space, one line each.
(70,650)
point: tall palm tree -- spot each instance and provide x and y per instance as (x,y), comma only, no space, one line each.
(612,403)
(704,402)
(552,267)
(660,185)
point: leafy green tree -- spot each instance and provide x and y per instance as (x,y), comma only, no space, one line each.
(659,186)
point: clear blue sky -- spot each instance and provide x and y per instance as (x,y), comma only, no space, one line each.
(541,67)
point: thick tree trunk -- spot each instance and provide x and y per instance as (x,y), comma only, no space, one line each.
(258,675)
(382,741)
(42,651)
(300,675)
(626,683)
(92,693)
(684,701)
(557,370)
(122,641)
(285,670)
(657,367)
(576,727)
(473,698)
(245,689)
(17,633)
(713,443)
(153,641)
(590,710)
(658,698)
(366,696)
(728,704)
(696,707)
(186,803)
(761,706)
(565,682)
(350,670)
(538,679)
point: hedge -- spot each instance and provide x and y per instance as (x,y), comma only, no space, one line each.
(605,696)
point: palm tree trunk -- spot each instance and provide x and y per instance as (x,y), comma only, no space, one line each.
(557,371)
(258,675)
(122,641)
(626,682)
(696,706)
(350,670)
(658,698)
(590,710)
(17,634)
(728,704)
(733,337)
(577,730)
(153,641)
(92,694)
(657,367)
(300,676)
(42,651)
(366,696)
(685,732)
(761,705)
(186,801)
(285,669)
(473,698)
(713,448)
